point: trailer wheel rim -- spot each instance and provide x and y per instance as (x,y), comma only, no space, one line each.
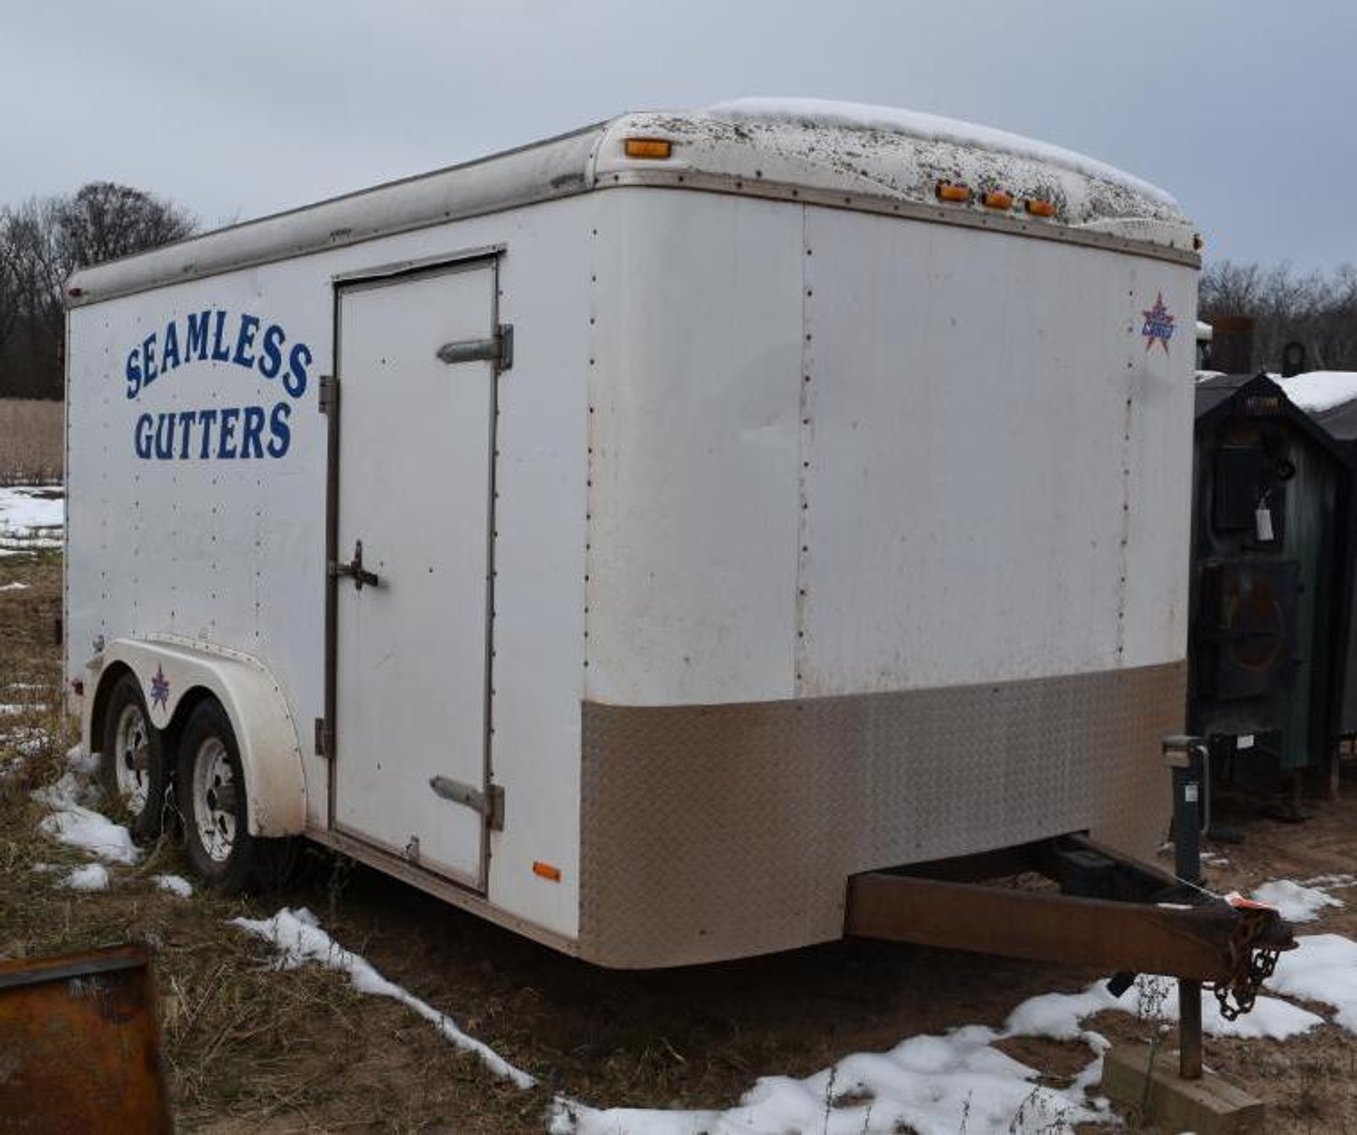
(132,758)
(214,797)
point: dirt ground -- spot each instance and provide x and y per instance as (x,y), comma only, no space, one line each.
(251,1049)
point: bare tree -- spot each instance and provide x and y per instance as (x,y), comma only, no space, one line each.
(43,241)
(104,221)
(1316,310)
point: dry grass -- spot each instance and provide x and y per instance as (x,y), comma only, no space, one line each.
(245,1047)
(250,1049)
(32,441)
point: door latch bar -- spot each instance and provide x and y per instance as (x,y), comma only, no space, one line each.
(489,803)
(354,570)
(498,349)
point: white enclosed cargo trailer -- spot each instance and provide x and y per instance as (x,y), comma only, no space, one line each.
(635,536)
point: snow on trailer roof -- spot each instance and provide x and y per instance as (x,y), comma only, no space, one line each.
(822,152)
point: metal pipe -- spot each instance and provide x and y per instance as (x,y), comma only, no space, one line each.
(1187,864)
(1187,757)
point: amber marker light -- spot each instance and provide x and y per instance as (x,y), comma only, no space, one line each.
(947,191)
(1041,208)
(546,871)
(654,148)
(997,199)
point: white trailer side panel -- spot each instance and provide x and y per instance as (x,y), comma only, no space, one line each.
(693,427)
(991,445)
(540,539)
(174,529)
(230,550)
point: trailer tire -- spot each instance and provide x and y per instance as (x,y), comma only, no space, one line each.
(212,800)
(133,770)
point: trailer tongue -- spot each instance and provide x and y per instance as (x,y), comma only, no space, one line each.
(1110,911)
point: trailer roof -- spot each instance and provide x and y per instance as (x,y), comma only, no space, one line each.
(838,154)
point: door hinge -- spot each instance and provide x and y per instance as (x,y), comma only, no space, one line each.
(325,740)
(498,349)
(328,396)
(489,803)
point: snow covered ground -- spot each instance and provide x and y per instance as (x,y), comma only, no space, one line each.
(300,939)
(32,518)
(71,822)
(957,1081)
(930,1084)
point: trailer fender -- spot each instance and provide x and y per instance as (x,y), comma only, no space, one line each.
(174,674)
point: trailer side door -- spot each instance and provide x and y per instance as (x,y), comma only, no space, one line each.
(410,591)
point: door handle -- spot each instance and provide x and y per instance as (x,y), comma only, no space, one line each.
(354,570)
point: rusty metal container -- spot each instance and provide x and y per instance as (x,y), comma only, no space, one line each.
(80,1044)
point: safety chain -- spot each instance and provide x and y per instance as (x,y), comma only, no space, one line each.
(1250,964)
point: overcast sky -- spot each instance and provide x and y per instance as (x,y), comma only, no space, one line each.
(1246,111)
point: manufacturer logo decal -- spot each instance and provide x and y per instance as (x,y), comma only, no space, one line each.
(160,689)
(1158,325)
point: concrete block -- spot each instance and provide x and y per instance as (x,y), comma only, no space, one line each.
(1209,1106)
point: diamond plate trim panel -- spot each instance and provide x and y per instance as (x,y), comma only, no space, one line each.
(713,832)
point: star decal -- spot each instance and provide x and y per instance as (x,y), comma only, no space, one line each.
(160,689)
(1158,325)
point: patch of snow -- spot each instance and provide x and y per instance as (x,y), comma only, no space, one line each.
(1321,390)
(935,1085)
(79,761)
(96,833)
(930,128)
(1058,1015)
(32,516)
(68,792)
(1322,968)
(943,1084)
(1331,882)
(25,739)
(15,586)
(73,823)
(1294,902)
(299,939)
(91,877)
(175,884)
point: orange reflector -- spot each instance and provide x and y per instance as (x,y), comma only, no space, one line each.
(949,192)
(648,147)
(546,871)
(997,199)
(1041,208)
